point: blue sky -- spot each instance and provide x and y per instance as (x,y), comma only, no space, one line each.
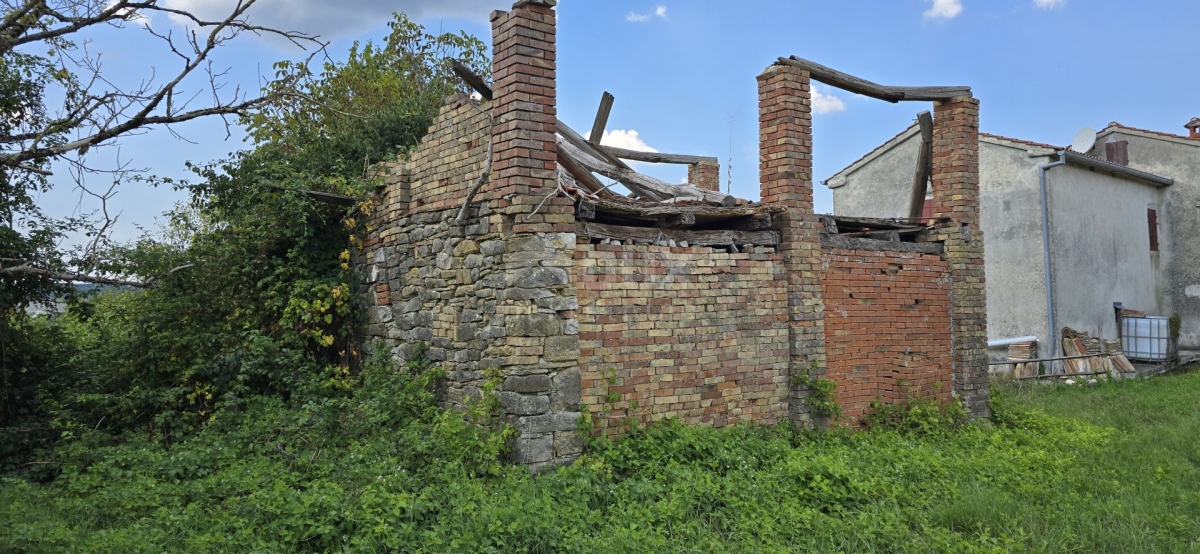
(683,73)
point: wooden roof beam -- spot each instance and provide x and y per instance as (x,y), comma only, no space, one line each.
(658,157)
(833,77)
(472,80)
(606,104)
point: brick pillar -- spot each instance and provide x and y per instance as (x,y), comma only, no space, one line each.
(538,361)
(524,112)
(705,175)
(956,196)
(785,176)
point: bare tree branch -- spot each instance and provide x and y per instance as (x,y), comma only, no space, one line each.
(69,276)
(114,106)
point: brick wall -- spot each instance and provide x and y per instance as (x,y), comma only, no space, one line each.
(459,133)
(692,333)
(705,175)
(887,327)
(785,174)
(956,196)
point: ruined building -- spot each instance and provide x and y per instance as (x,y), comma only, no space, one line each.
(675,301)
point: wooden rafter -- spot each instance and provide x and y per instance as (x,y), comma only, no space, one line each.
(606,104)
(649,235)
(864,87)
(658,157)
(924,168)
(643,185)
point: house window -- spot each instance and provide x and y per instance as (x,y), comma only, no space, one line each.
(1152,222)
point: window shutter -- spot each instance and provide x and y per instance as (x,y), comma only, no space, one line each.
(1152,222)
(1117,152)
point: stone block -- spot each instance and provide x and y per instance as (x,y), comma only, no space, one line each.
(568,390)
(528,383)
(562,348)
(568,444)
(533,325)
(559,303)
(540,277)
(549,423)
(466,247)
(491,248)
(523,405)
(532,449)
(525,244)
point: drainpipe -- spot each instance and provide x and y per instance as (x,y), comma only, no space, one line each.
(1042,169)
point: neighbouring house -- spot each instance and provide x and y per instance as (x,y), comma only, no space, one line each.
(1123,223)
(495,244)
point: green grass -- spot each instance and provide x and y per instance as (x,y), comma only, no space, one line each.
(1109,468)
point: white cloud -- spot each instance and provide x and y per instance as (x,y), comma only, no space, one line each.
(826,102)
(944,9)
(628,140)
(1049,4)
(344,17)
(659,12)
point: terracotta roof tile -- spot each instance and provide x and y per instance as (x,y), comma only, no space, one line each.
(1160,133)
(1025,142)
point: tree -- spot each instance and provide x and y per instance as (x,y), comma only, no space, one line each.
(40,60)
(269,307)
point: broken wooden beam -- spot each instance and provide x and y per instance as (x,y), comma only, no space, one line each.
(649,235)
(924,170)
(579,142)
(850,243)
(644,185)
(877,223)
(830,223)
(864,87)
(659,158)
(678,221)
(756,222)
(890,235)
(647,210)
(606,104)
(583,176)
(471,79)
(585,209)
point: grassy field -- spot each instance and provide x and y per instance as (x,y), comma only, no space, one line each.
(1109,468)
(1152,458)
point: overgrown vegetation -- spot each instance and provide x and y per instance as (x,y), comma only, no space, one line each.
(1111,468)
(263,303)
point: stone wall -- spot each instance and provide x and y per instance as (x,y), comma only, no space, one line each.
(490,297)
(692,333)
(887,327)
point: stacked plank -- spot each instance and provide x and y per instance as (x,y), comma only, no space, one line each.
(1117,355)
(1074,343)
(1019,353)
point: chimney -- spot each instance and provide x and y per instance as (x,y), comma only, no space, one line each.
(1194,127)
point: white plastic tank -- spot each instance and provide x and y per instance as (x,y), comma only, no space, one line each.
(1145,338)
